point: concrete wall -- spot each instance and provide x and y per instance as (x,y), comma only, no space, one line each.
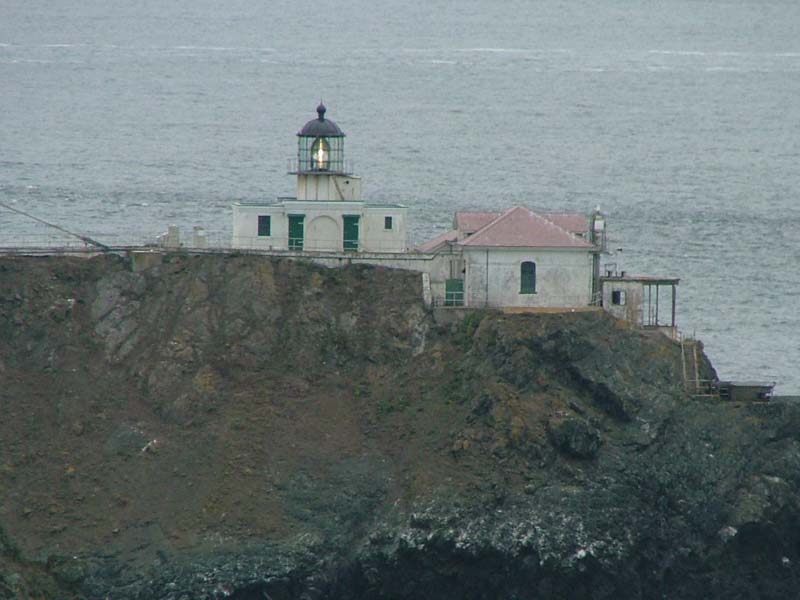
(324,186)
(245,227)
(435,265)
(323,225)
(375,236)
(322,232)
(563,277)
(633,309)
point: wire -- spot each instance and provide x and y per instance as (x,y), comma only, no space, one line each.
(83,238)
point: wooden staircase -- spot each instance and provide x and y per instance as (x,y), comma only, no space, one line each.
(691,367)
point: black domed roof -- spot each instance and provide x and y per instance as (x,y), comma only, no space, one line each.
(321,126)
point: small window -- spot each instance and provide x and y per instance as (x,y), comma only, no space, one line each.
(387,222)
(527,278)
(454,292)
(264,225)
(618,297)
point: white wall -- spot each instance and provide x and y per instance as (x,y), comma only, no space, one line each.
(563,277)
(633,309)
(327,187)
(323,226)
(245,227)
(375,237)
(322,232)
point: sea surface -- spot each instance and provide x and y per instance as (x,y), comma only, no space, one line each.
(679,118)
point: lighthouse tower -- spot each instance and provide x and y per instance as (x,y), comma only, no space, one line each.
(322,173)
(327,214)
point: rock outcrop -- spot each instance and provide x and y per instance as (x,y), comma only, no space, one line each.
(245,427)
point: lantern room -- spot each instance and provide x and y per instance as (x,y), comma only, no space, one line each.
(320,146)
(320,167)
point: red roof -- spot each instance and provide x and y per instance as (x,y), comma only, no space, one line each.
(572,222)
(431,245)
(521,227)
(470,222)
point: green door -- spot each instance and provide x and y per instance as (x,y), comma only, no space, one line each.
(296,232)
(350,233)
(454,292)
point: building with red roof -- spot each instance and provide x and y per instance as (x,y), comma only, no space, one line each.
(520,258)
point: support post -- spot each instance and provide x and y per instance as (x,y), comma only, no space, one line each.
(673,305)
(658,287)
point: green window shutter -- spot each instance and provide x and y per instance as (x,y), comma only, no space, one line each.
(350,233)
(264,225)
(387,222)
(296,232)
(527,278)
(454,292)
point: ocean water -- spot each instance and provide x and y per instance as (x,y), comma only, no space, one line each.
(680,119)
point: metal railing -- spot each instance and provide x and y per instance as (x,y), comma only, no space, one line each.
(458,299)
(317,244)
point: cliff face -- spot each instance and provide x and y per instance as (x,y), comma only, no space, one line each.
(244,427)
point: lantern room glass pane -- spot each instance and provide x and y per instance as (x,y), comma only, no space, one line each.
(324,154)
(320,154)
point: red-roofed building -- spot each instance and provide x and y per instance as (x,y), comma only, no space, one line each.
(520,258)
(467,223)
(520,227)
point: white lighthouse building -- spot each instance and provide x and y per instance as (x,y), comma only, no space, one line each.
(518,258)
(327,213)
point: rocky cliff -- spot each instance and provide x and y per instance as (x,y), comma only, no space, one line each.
(242,427)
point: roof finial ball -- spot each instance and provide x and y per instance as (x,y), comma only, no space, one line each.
(320,145)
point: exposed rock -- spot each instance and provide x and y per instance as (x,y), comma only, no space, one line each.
(246,427)
(128,440)
(574,436)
